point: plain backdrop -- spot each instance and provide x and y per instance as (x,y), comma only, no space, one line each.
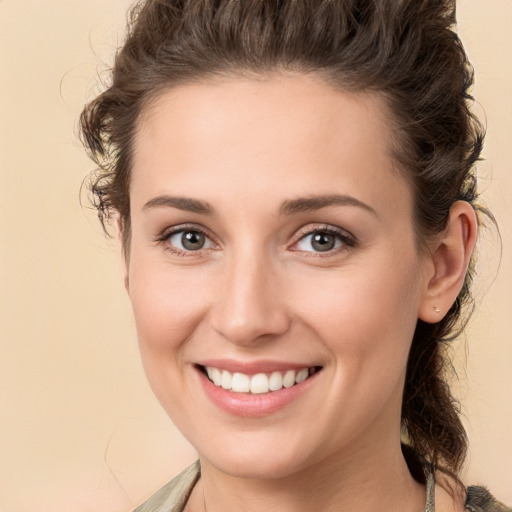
(79,428)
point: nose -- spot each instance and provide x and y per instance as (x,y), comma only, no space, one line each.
(251,305)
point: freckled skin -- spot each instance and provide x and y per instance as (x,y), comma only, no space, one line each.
(258,288)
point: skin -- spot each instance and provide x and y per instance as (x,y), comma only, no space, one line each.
(258,289)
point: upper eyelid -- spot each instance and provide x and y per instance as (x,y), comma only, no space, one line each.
(325,228)
(172,230)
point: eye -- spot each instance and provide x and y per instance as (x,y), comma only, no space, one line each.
(186,240)
(323,241)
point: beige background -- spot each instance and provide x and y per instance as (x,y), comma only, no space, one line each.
(79,428)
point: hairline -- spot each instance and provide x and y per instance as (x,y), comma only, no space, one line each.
(322,75)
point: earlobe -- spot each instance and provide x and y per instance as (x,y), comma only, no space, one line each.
(450,257)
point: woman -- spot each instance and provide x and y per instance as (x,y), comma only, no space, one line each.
(294,187)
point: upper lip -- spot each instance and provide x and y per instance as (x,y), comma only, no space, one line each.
(253,367)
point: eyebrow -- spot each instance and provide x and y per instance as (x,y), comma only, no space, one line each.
(317,202)
(182,203)
(288,207)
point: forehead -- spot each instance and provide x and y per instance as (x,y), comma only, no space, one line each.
(257,134)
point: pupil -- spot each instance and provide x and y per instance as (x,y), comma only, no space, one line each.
(323,242)
(192,240)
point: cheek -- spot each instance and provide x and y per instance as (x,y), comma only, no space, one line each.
(166,304)
(366,315)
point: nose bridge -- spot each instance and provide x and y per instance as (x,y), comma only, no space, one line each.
(250,303)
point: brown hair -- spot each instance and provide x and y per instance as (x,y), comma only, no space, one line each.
(405,50)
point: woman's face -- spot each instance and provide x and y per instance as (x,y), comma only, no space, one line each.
(272,241)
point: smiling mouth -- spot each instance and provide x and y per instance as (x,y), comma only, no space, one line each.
(259,383)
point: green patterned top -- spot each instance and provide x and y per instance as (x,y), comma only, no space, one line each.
(173,496)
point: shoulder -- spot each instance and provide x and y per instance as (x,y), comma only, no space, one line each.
(479,499)
(173,496)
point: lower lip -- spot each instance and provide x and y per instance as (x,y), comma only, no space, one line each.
(246,404)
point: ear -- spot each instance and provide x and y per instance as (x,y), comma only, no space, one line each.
(450,256)
(125,263)
(126,278)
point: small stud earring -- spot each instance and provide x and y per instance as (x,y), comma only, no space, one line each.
(437,310)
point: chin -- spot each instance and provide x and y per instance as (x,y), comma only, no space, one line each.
(257,467)
(257,459)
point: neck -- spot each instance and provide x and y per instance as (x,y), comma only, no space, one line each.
(356,480)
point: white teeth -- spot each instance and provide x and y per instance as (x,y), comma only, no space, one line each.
(259,383)
(240,383)
(275,383)
(289,379)
(302,375)
(226,380)
(216,376)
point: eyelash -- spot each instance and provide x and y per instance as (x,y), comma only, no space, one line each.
(347,240)
(164,238)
